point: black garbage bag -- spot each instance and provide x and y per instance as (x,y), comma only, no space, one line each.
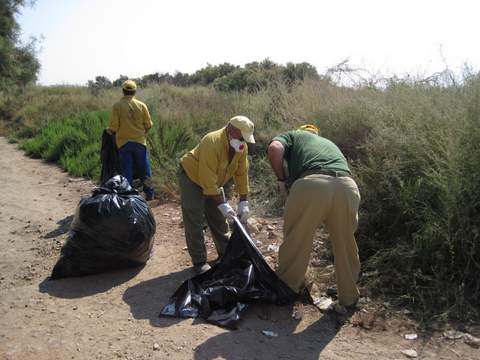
(112,229)
(109,157)
(219,295)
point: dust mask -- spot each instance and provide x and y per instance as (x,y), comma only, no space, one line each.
(238,145)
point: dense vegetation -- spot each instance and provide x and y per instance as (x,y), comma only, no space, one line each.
(18,63)
(223,77)
(412,144)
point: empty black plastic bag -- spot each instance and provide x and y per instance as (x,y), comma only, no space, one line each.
(112,229)
(241,276)
(109,157)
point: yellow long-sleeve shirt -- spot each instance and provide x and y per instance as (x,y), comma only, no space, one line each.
(207,164)
(130,120)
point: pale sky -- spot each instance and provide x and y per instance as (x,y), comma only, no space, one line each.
(86,38)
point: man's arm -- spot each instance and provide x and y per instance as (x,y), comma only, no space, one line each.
(241,177)
(275,153)
(147,121)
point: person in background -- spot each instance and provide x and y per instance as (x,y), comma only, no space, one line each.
(319,190)
(220,156)
(130,121)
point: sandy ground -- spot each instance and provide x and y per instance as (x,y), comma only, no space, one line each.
(115,315)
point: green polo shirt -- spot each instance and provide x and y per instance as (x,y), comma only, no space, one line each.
(306,151)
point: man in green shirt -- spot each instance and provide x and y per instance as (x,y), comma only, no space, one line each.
(321,191)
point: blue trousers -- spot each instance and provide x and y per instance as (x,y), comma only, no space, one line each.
(134,160)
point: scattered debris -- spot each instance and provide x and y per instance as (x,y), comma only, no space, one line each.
(471,340)
(269,333)
(273,248)
(316,262)
(411,336)
(254,226)
(156,346)
(272,235)
(323,303)
(409,353)
(297,315)
(453,334)
(363,301)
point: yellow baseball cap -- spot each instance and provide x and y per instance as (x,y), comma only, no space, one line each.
(309,127)
(245,125)
(129,85)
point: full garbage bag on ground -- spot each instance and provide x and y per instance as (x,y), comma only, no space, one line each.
(112,229)
(240,277)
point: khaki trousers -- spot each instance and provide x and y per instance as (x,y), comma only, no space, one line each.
(195,210)
(314,200)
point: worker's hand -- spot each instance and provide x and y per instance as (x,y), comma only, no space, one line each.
(227,210)
(282,189)
(243,211)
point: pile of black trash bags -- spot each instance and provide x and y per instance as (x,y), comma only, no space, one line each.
(112,229)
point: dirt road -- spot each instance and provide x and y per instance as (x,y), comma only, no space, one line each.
(115,315)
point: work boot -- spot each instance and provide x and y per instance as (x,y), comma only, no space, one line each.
(340,309)
(201,268)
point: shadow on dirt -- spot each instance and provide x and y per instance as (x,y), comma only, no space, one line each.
(147,298)
(78,287)
(291,341)
(63,227)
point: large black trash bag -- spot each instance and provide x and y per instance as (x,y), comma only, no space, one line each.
(112,229)
(219,295)
(109,157)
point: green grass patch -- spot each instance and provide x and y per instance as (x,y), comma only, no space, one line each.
(73,141)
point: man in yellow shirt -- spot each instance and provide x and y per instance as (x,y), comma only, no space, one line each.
(220,156)
(130,122)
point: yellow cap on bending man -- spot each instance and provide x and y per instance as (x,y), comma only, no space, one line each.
(129,85)
(309,127)
(245,125)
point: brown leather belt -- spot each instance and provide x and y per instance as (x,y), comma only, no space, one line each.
(333,173)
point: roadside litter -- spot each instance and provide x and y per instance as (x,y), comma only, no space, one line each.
(269,333)
(241,276)
(112,229)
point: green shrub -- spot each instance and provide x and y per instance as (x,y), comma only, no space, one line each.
(73,141)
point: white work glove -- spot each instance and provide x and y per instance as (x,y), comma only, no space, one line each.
(227,210)
(282,189)
(243,211)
